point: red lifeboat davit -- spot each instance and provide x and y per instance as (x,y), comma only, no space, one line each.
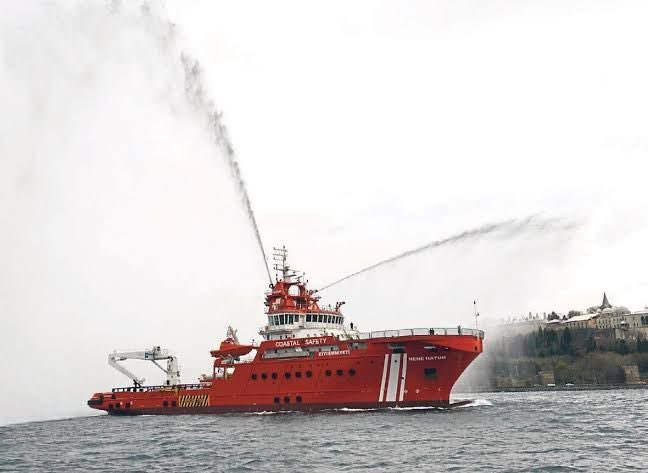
(230,347)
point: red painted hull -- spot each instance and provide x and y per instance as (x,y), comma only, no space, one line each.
(402,371)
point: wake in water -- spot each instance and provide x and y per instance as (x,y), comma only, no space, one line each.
(505,229)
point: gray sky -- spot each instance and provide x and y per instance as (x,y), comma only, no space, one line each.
(363,129)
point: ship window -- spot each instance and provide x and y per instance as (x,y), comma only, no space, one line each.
(289,319)
(430,373)
(276,400)
(319,318)
(287,375)
(165,403)
(339,372)
(110,406)
(281,319)
(274,375)
(298,399)
(286,399)
(328,373)
(297,374)
(352,372)
(173,403)
(254,376)
(308,317)
(264,376)
(128,404)
(270,320)
(309,374)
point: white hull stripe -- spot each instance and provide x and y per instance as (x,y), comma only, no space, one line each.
(392,383)
(384,377)
(403,376)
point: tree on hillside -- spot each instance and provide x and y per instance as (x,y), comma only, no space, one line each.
(590,344)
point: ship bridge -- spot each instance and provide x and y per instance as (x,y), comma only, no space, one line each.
(294,311)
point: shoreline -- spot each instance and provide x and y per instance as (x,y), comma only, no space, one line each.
(579,387)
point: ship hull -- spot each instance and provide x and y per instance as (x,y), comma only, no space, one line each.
(388,372)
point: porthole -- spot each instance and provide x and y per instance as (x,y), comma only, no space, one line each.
(297,374)
(276,400)
(128,404)
(298,399)
(287,375)
(165,403)
(339,372)
(254,376)
(264,376)
(286,400)
(352,372)
(328,373)
(174,404)
(117,405)
(430,373)
(309,374)
(274,375)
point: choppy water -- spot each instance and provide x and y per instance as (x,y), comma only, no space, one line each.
(555,431)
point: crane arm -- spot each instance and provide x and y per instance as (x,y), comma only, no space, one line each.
(113,361)
(153,354)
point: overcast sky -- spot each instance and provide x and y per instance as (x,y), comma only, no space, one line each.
(362,129)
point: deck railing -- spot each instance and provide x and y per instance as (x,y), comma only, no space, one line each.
(142,389)
(422,331)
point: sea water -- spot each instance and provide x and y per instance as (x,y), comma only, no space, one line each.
(504,432)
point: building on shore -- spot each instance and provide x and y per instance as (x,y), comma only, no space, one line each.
(546,378)
(631,373)
(604,317)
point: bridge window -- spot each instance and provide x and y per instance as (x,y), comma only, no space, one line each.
(308,317)
(281,319)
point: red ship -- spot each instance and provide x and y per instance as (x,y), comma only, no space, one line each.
(309,360)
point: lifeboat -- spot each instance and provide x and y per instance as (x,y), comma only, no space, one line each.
(231,348)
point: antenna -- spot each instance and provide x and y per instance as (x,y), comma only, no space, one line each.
(280,256)
(476,313)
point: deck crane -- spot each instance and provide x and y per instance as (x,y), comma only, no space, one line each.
(153,355)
